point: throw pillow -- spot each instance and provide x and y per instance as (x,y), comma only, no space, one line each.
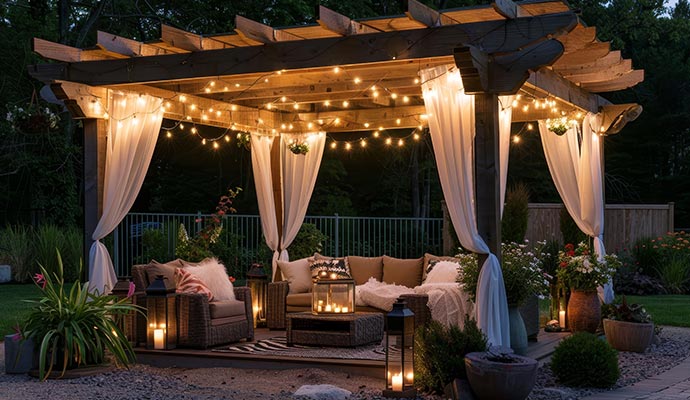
(406,272)
(430,257)
(363,268)
(442,272)
(297,274)
(213,275)
(187,282)
(325,268)
(154,268)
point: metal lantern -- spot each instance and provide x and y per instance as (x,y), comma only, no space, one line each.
(162,316)
(330,295)
(400,352)
(257,280)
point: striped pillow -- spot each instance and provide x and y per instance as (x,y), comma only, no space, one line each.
(187,282)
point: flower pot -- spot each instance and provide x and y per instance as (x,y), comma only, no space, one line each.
(500,381)
(584,311)
(518,332)
(628,336)
(19,355)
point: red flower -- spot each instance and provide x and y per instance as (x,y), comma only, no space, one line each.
(40,280)
(564,264)
(221,212)
(132,288)
(570,253)
(569,247)
(232,279)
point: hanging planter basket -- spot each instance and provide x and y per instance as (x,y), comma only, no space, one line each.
(298,148)
(33,118)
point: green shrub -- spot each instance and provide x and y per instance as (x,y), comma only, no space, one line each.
(16,250)
(308,241)
(515,214)
(440,353)
(583,360)
(569,229)
(48,238)
(646,256)
(154,246)
(72,252)
(674,273)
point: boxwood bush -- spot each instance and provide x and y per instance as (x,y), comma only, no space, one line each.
(583,360)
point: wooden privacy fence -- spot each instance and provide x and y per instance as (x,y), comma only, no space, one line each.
(623,223)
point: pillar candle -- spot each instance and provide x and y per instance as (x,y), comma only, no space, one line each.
(158,339)
(561,318)
(328,308)
(346,309)
(397,382)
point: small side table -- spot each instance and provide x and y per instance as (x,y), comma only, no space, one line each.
(347,330)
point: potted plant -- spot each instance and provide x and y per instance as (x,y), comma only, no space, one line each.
(19,353)
(498,375)
(582,272)
(628,327)
(523,278)
(74,328)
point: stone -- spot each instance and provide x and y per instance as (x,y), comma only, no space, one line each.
(323,392)
(5,273)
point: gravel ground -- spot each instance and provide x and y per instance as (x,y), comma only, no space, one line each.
(145,382)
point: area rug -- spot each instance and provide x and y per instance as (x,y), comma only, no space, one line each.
(277,346)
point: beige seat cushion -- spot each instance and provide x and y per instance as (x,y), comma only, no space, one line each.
(429,257)
(297,273)
(154,268)
(299,300)
(363,268)
(406,272)
(226,308)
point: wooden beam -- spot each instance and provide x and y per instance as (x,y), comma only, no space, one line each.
(612,58)
(578,38)
(504,73)
(426,15)
(82,101)
(61,52)
(493,36)
(623,82)
(95,131)
(550,83)
(189,41)
(508,9)
(127,47)
(603,74)
(259,32)
(341,24)
(586,54)
(616,116)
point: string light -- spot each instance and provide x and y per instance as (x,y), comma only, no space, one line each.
(516,139)
(227,138)
(334,145)
(346,103)
(394,96)
(357,80)
(348,146)
(169,134)
(376,134)
(203,141)
(327,103)
(389,141)
(400,142)
(406,99)
(415,136)
(336,70)
(530,127)
(363,143)
(366,124)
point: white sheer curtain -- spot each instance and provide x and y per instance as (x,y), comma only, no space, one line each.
(575,166)
(298,177)
(261,146)
(132,134)
(451,124)
(505,120)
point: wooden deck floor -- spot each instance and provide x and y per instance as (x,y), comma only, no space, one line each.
(191,358)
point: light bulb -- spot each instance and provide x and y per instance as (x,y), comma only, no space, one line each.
(366,124)
(394,96)
(334,145)
(357,80)
(363,143)
(336,70)
(406,99)
(215,145)
(398,121)
(169,134)
(389,141)
(348,146)
(400,142)
(346,103)
(227,138)
(327,103)
(415,136)
(516,139)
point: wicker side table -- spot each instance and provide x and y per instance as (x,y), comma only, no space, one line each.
(347,330)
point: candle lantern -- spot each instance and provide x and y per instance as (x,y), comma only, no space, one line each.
(400,352)
(257,281)
(331,295)
(161,312)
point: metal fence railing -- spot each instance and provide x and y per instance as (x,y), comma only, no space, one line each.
(244,244)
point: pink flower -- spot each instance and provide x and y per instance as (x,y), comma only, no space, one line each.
(17,333)
(197,220)
(132,288)
(232,279)
(40,280)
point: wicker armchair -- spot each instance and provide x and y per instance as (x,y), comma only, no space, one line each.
(202,324)
(277,307)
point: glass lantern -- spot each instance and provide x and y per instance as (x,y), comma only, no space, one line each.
(161,313)
(400,352)
(257,281)
(330,295)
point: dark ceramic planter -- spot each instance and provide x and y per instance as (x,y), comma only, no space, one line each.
(491,380)
(19,355)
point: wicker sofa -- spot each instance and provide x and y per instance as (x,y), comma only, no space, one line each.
(201,324)
(407,272)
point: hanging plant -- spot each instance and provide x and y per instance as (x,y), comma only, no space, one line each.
(299,147)
(243,140)
(32,119)
(558,126)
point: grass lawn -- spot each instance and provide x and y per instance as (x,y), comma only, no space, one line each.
(12,308)
(671,310)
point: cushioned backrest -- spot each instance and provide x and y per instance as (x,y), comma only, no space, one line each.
(154,268)
(406,272)
(363,268)
(139,277)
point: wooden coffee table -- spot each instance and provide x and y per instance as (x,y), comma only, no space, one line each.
(346,330)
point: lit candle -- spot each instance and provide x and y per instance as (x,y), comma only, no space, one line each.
(158,339)
(410,377)
(346,309)
(397,382)
(561,318)
(320,302)
(337,309)
(328,308)
(333,275)
(319,308)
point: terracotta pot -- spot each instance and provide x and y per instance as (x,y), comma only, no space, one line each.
(584,311)
(491,380)
(628,336)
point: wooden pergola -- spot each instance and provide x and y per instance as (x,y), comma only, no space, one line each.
(350,75)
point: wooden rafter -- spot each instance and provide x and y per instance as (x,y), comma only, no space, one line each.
(64,53)
(548,82)
(602,74)
(508,9)
(426,15)
(341,24)
(624,81)
(261,33)
(592,51)
(189,41)
(589,66)
(127,47)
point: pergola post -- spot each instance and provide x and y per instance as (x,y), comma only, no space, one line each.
(94,175)
(487,172)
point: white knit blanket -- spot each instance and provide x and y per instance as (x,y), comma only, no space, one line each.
(447,302)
